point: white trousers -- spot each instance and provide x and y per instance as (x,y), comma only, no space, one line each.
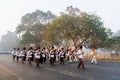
(75,59)
(94,60)
(57,59)
(70,58)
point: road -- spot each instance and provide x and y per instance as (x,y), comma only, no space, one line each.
(10,70)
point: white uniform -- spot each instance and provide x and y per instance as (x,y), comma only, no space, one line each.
(37,54)
(51,55)
(18,53)
(57,56)
(75,56)
(43,54)
(70,56)
(62,54)
(80,54)
(29,54)
(14,52)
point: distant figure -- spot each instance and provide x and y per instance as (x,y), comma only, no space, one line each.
(52,56)
(93,55)
(57,54)
(62,56)
(17,54)
(14,53)
(70,56)
(81,58)
(37,56)
(43,54)
(23,54)
(75,55)
(30,56)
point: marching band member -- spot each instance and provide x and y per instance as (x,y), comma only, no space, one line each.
(52,56)
(47,53)
(14,53)
(62,56)
(30,55)
(43,55)
(75,55)
(17,54)
(70,56)
(37,56)
(23,54)
(81,58)
(57,54)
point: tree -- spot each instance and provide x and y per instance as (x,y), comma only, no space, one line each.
(113,43)
(31,27)
(31,19)
(33,35)
(78,27)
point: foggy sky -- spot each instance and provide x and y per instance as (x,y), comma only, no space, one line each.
(11,11)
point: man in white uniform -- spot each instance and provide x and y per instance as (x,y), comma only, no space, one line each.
(81,58)
(14,53)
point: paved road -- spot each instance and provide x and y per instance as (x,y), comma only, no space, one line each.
(10,70)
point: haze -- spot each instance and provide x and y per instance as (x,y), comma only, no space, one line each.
(11,11)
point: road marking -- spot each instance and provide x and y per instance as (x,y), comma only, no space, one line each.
(9,72)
